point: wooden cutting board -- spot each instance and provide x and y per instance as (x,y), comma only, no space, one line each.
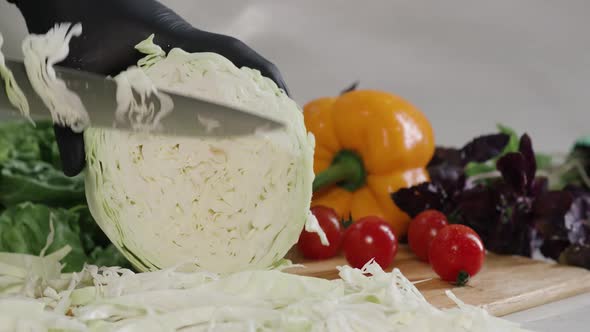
(506,284)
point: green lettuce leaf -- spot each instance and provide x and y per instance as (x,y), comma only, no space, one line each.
(514,141)
(21,141)
(25,228)
(108,256)
(576,169)
(97,245)
(38,182)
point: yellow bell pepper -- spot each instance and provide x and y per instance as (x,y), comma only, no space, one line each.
(369,144)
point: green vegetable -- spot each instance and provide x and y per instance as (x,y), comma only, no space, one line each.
(107,256)
(544,161)
(37,181)
(583,141)
(34,191)
(21,141)
(90,234)
(574,170)
(96,244)
(578,172)
(25,229)
(513,143)
(472,168)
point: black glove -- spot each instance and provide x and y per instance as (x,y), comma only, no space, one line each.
(111,29)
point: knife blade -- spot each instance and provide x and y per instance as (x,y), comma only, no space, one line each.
(190,116)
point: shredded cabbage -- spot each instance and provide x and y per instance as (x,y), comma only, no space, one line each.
(114,299)
(134,88)
(24,314)
(13,91)
(41,52)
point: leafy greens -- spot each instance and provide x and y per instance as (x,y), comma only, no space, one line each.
(36,197)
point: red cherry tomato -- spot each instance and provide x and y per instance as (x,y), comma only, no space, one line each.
(456,254)
(423,229)
(368,238)
(310,245)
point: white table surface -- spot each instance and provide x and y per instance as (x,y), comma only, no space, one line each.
(572,315)
(467,64)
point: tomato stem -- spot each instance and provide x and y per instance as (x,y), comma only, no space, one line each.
(347,171)
(347,222)
(462,278)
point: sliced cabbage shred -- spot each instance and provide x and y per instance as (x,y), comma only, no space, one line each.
(34,294)
(16,97)
(133,107)
(43,51)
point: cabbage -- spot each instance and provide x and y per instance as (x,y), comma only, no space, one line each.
(18,314)
(13,91)
(41,53)
(114,299)
(223,205)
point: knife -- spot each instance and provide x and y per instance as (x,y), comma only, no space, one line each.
(191,117)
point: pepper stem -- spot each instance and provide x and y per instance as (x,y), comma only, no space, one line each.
(347,171)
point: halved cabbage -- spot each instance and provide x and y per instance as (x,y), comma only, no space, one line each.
(223,205)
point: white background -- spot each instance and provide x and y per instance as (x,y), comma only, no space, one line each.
(467,64)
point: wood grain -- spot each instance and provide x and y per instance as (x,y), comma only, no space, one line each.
(505,285)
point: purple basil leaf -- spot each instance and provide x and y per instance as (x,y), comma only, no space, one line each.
(562,218)
(478,204)
(513,168)
(512,233)
(446,156)
(507,233)
(552,204)
(484,148)
(577,255)
(450,178)
(553,247)
(526,149)
(476,208)
(576,190)
(577,220)
(540,186)
(418,198)
(549,212)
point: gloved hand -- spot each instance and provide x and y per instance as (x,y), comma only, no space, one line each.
(111,29)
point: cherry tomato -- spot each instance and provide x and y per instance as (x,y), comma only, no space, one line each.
(423,229)
(310,245)
(456,254)
(368,238)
